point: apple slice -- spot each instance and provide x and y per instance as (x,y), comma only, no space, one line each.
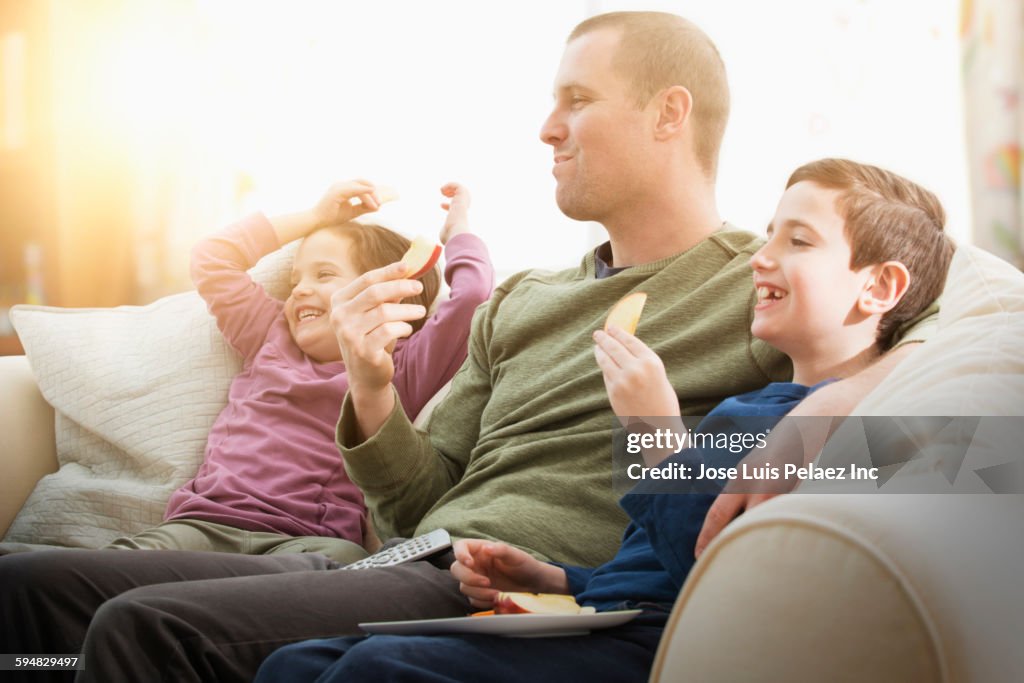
(626,313)
(385,194)
(535,603)
(421,257)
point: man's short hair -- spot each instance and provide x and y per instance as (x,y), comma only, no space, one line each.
(888,218)
(659,50)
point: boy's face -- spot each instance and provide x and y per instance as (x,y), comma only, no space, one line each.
(322,266)
(807,295)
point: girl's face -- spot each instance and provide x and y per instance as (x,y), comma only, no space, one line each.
(322,266)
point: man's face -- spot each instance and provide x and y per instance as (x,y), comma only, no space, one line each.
(599,137)
(807,294)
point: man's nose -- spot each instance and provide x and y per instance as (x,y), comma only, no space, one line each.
(553,130)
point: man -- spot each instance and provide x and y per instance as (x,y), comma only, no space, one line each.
(520,450)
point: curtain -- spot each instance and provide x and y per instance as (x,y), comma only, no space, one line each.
(992,34)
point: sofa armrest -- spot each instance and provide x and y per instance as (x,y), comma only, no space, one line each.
(845,587)
(28,448)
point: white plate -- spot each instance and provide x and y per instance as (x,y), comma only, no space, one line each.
(515,625)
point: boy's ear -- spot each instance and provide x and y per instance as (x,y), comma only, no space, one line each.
(885,288)
(674,107)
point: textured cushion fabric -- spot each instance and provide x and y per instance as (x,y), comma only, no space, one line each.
(855,588)
(135,391)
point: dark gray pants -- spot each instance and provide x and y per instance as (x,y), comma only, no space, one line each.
(191,616)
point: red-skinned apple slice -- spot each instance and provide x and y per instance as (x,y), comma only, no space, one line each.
(535,603)
(626,313)
(421,257)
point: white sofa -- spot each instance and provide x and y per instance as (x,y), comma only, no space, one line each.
(808,587)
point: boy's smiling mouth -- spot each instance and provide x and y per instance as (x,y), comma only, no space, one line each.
(767,293)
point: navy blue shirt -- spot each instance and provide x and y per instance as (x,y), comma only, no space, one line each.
(657,547)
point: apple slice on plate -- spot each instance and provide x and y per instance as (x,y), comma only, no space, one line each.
(626,313)
(538,603)
(421,256)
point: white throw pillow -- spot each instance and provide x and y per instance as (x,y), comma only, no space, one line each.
(135,391)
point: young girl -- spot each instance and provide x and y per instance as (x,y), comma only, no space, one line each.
(272,479)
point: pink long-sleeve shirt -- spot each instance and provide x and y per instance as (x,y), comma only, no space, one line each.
(271,463)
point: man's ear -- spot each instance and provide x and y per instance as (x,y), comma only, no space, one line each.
(886,286)
(674,107)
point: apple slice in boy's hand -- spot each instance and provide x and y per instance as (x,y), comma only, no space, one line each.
(626,313)
(535,603)
(421,257)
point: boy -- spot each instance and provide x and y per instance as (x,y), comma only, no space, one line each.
(853,252)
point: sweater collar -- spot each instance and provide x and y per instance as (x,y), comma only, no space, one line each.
(595,262)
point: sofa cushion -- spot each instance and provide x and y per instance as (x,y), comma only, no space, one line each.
(135,391)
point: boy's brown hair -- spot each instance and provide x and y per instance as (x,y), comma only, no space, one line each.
(374,246)
(888,218)
(658,50)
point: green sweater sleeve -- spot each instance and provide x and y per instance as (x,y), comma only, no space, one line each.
(520,451)
(403,471)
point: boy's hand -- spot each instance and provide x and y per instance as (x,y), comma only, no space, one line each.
(336,206)
(485,568)
(634,376)
(457,221)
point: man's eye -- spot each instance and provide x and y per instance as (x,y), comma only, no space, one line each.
(576,101)
(797,242)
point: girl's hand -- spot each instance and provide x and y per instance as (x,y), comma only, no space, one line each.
(336,205)
(457,221)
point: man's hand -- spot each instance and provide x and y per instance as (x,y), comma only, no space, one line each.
(634,376)
(793,441)
(798,441)
(367,321)
(485,568)
(457,221)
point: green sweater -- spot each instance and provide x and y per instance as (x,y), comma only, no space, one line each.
(521,448)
